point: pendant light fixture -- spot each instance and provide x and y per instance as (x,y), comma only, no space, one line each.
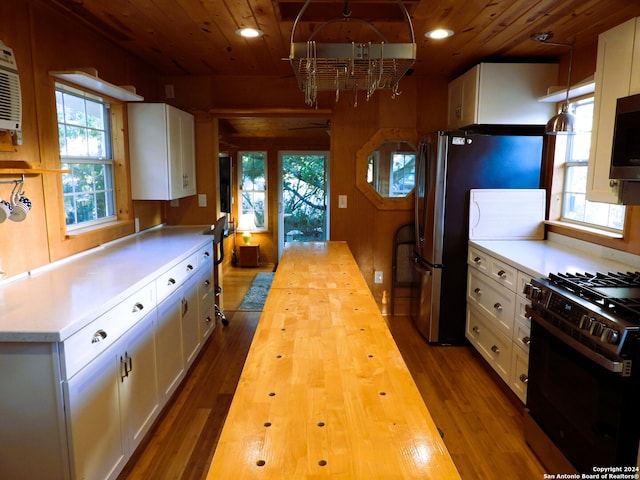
(564,122)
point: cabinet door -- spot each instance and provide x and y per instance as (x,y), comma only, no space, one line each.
(470,97)
(189,315)
(519,373)
(613,80)
(140,396)
(188,154)
(97,441)
(168,331)
(182,168)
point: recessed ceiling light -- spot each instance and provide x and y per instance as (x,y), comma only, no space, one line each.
(439,33)
(249,32)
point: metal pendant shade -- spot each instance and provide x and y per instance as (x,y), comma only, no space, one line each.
(563,123)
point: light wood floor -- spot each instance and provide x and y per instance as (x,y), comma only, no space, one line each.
(480,418)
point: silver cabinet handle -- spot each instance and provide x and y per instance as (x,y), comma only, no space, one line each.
(477,260)
(98,336)
(123,365)
(171,281)
(495,349)
(524,379)
(502,274)
(477,291)
(137,307)
(497,306)
(526,341)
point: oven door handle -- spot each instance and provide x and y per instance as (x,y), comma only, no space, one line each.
(610,365)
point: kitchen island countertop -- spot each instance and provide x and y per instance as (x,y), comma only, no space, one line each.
(325,392)
(51,303)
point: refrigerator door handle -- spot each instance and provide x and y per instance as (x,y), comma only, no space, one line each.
(420,196)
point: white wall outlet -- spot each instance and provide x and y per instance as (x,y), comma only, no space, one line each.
(202,199)
(342,201)
(377,276)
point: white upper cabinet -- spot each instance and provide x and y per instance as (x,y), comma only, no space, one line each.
(617,75)
(501,94)
(162,150)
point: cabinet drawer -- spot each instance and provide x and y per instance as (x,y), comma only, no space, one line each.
(207,316)
(521,335)
(169,281)
(492,345)
(519,374)
(205,256)
(523,279)
(521,313)
(83,346)
(495,269)
(494,300)
(205,282)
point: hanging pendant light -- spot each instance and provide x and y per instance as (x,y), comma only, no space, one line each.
(564,123)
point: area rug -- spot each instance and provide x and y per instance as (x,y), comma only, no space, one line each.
(257,293)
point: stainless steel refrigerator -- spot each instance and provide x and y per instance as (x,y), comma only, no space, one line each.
(450,164)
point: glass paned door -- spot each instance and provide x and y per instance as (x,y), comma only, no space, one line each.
(303,213)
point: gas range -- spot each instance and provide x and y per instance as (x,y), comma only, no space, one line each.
(600,312)
(583,387)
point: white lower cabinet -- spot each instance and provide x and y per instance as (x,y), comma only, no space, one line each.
(112,403)
(79,408)
(496,323)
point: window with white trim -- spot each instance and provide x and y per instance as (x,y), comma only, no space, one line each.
(572,155)
(84,134)
(252,174)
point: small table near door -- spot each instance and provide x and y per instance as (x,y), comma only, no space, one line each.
(249,255)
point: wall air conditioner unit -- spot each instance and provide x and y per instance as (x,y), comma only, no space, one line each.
(10,94)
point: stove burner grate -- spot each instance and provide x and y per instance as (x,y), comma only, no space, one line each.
(618,293)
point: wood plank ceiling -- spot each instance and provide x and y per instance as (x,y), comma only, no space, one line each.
(198,37)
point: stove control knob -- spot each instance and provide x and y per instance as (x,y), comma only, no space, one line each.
(585,322)
(596,328)
(609,335)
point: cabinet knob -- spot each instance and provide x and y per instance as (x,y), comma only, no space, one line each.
(502,274)
(208,319)
(189,267)
(497,306)
(171,281)
(475,330)
(477,260)
(524,379)
(137,307)
(526,341)
(495,349)
(207,254)
(477,291)
(98,336)
(207,283)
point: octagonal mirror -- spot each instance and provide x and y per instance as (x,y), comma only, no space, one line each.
(386,168)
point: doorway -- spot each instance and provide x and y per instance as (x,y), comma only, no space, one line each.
(303,210)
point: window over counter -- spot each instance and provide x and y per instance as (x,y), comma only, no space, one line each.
(84,133)
(570,160)
(252,174)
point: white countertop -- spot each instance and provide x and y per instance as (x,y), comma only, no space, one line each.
(559,254)
(53,302)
